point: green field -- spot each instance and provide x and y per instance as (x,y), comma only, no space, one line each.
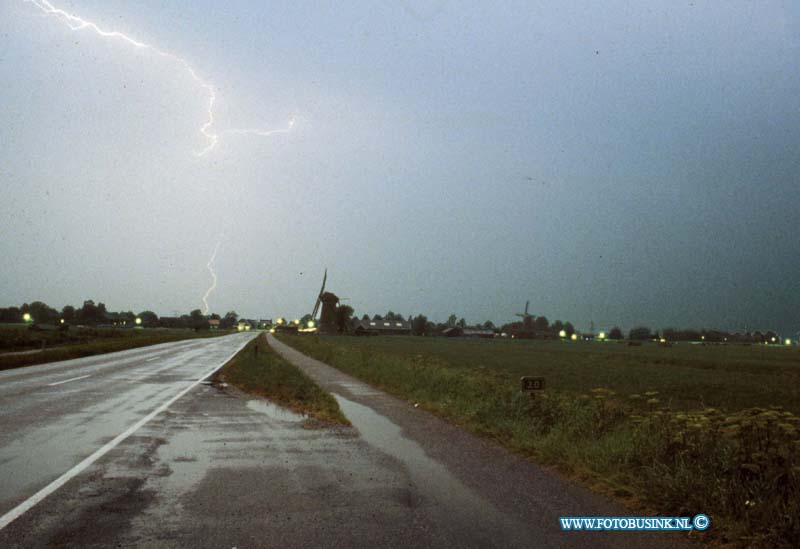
(686,376)
(257,369)
(80,342)
(669,430)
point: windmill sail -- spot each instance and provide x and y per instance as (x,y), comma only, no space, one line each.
(319,297)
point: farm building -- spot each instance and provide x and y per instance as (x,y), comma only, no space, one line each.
(458,331)
(382,327)
(246,324)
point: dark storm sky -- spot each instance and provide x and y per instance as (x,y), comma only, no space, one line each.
(615,162)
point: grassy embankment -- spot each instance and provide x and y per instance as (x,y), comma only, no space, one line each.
(674,431)
(259,370)
(81,342)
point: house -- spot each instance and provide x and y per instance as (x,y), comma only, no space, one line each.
(213,324)
(245,324)
(478,333)
(458,331)
(382,327)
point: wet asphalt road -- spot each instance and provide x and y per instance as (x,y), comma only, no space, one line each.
(53,416)
(218,468)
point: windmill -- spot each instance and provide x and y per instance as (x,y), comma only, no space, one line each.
(329,301)
(527,319)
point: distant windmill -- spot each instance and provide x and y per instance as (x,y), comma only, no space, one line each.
(329,301)
(527,319)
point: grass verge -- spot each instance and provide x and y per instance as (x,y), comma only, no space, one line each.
(90,342)
(257,369)
(739,466)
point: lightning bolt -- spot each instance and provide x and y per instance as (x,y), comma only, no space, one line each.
(210,267)
(76,23)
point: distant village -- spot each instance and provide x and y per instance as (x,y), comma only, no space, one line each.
(337,318)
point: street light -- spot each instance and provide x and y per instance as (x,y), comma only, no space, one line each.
(138,321)
(280,321)
(562,334)
(310,323)
(27,317)
(788,341)
(296,321)
(601,335)
(574,337)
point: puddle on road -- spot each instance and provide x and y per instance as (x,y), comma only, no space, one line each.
(275,412)
(431,477)
(174,466)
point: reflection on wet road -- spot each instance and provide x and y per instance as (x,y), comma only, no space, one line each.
(453,499)
(53,416)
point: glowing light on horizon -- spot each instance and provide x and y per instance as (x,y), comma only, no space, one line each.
(76,23)
(210,267)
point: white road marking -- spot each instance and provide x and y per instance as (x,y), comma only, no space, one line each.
(68,380)
(26,505)
(152,359)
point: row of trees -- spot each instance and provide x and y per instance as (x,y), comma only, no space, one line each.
(90,313)
(421,325)
(196,320)
(96,314)
(713,336)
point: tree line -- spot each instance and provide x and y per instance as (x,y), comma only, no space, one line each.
(421,325)
(96,314)
(544,329)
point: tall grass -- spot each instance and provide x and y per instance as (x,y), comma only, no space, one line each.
(740,467)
